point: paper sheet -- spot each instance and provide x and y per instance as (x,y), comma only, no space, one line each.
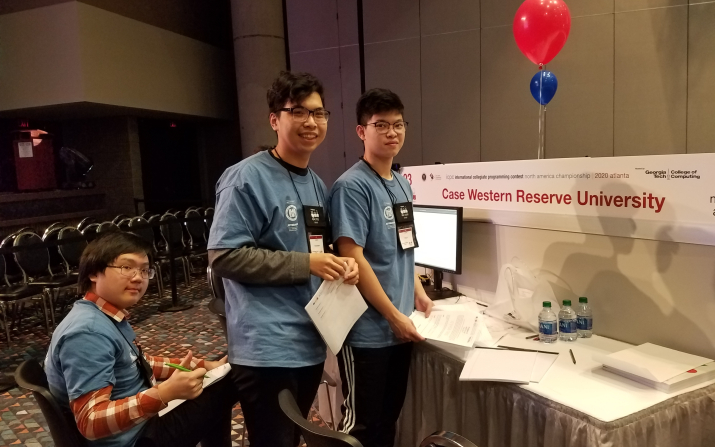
(542,365)
(653,362)
(334,309)
(456,327)
(499,365)
(213,376)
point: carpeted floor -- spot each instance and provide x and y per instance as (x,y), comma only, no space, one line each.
(21,421)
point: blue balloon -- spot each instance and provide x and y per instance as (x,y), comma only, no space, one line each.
(543,86)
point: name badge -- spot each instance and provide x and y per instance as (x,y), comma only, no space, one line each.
(316,243)
(406,239)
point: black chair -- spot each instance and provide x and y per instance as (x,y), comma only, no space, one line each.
(84,223)
(142,228)
(217,305)
(13,273)
(313,435)
(147,214)
(12,295)
(446,439)
(57,264)
(54,226)
(171,229)
(196,231)
(63,428)
(71,251)
(34,260)
(107,226)
(90,232)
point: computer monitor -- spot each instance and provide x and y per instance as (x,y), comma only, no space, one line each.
(439,234)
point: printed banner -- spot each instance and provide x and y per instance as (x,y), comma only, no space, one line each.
(661,197)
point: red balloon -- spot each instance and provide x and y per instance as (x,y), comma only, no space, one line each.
(541,28)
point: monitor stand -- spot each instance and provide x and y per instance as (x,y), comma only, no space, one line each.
(437,292)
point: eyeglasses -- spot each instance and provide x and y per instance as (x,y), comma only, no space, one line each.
(301,114)
(383,127)
(131,272)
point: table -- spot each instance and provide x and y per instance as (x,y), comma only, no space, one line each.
(494,414)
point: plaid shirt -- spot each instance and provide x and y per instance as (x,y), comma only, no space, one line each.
(97,416)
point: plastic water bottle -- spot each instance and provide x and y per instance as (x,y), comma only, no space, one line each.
(567,322)
(548,324)
(584,318)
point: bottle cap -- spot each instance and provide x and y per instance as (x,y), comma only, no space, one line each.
(567,302)
(547,303)
(583,299)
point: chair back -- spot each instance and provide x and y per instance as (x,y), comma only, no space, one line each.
(13,272)
(141,228)
(90,231)
(446,439)
(314,436)
(63,428)
(159,243)
(57,264)
(171,229)
(119,218)
(124,224)
(54,226)
(84,223)
(34,262)
(147,214)
(71,251)
(196,228)
(107,226)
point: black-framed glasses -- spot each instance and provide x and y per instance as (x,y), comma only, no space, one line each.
(382,127)
(131,272)
(301,114)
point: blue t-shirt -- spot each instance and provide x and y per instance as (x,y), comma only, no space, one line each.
(257,206)
(361,209)
(88,353)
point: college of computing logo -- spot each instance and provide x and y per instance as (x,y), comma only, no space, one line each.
(291,213)
(388,213)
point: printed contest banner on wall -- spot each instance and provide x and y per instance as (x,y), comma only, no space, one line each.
(660,197)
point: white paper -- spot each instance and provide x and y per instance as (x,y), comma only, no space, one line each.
(499,365)
(24,149)
(334,309)
(456,327)
(653,362)
(213,376)
(542,365)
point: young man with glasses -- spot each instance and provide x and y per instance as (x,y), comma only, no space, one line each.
(371,215)
(97,371)
(269,242)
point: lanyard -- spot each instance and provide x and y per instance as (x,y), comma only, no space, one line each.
(293,183)
(144,367)
(393,199)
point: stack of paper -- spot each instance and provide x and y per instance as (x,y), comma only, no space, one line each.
(507,365)
(458,327)
(212,376)
(334,309)
(662,368)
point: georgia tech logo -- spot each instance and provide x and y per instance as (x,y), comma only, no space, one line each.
(291,213)
(388,213)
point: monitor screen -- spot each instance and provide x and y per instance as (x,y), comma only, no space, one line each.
(439,234)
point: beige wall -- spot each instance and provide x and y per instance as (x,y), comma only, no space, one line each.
(74,52)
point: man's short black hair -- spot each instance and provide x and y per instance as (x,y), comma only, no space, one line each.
(294,87)
(104,250)
(377,100)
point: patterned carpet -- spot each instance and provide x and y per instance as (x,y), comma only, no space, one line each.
(21,421)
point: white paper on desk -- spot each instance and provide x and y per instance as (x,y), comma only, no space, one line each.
(214,375)
(455,327)
(499,365)
(653,362)
(334,309)
(542,364)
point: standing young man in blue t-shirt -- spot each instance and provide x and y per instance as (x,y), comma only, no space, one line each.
(269,241)
(371,215)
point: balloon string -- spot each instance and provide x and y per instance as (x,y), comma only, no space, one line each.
(540,149)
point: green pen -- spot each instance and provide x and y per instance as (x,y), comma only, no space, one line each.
(181,368)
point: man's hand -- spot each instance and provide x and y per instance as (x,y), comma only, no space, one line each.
(215,364)
(423,303)
(183,385)
(354,276)
(326,266)
(404,328)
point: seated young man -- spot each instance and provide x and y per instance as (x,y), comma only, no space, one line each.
(94,367)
